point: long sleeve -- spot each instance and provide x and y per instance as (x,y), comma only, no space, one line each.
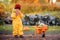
(21,15)
(13,15)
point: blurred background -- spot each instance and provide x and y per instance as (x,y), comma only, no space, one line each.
(35,12)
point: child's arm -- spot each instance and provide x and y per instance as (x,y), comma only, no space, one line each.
(13,15)
(21,15)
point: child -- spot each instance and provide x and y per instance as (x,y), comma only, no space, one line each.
(17,21)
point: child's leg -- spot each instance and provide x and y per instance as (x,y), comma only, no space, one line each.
(15,34)
(20,30)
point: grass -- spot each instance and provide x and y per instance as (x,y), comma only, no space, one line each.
(6,27)
(51,29)
(9,28)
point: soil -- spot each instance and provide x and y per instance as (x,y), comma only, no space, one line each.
(31,37)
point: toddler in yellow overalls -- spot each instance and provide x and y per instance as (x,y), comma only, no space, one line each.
(17,21)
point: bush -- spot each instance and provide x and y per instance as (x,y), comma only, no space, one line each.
(1,21)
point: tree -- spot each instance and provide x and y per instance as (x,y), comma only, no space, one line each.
(2,13)
(14,1)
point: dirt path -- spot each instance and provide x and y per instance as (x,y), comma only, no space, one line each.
(31,37)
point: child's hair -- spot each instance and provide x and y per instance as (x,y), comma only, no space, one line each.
(17,6)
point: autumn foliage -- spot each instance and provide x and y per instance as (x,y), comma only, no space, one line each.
(2,11)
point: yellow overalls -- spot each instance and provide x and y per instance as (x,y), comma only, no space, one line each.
(17,23)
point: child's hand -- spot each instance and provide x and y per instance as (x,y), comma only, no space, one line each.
(17,12)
